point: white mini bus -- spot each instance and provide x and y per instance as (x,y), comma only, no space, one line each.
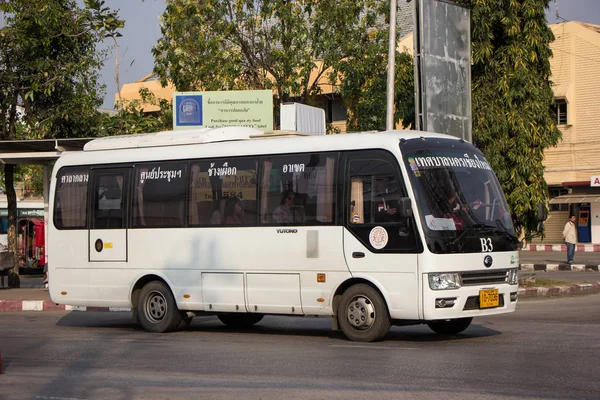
(370,229)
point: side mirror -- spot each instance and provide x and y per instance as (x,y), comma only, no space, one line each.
(541,212)
(405,207)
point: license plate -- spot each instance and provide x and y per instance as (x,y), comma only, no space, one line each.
(489,298)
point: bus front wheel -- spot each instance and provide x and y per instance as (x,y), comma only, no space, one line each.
(362,314)
(157,310)
(450,326)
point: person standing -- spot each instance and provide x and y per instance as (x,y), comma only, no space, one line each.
(570,235)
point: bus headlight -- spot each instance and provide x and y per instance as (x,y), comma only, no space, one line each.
(444,281)
(513,276)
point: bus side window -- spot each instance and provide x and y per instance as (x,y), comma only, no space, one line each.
(159,195)
(298,189)
(213,181)
(374,189)
(70,207)
(109,203)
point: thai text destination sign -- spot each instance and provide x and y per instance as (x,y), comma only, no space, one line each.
(250,108)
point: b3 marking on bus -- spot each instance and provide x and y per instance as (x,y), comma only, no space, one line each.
(486,245)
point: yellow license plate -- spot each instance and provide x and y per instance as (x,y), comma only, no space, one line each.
(489,298)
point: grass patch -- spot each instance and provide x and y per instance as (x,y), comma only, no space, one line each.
(536,282)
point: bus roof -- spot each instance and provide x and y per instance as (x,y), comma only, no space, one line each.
(224,134)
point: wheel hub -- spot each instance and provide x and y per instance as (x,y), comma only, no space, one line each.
(156,306)
(361,312)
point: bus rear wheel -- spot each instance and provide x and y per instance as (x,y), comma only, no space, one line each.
(157,310)
(240,321)
(362,314)
(450,326)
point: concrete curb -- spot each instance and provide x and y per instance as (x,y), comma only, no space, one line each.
(47,305)
(587,248)
(559,267)
(580,288)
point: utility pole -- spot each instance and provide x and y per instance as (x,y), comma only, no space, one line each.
(389,120)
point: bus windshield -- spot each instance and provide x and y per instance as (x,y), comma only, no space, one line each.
(461,203)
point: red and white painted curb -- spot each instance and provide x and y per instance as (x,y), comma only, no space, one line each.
(559,267)
(582,248)
(46,305)
(579,288)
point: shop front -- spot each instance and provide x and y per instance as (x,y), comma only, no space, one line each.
(584,202)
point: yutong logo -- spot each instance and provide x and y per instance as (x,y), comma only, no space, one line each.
(287,230)
(488,261)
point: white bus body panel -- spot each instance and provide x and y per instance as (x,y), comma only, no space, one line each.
(212,267)
(464,263)
(113,242)
(394,274)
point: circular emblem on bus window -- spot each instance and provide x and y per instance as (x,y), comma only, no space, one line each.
(99,245)
(488,261)
(378,237)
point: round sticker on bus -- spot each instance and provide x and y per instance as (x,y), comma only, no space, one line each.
(378,237)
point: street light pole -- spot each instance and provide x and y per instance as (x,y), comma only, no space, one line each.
(389,120)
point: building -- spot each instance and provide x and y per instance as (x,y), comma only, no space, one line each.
(572,168)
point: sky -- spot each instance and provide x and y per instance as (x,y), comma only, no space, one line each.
(142,30)
(140,34)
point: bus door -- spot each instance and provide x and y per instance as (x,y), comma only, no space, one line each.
(108,229)
(379,244)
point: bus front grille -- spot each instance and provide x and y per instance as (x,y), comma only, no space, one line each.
(484,277)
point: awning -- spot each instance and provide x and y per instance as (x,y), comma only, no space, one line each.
(576,198)
(40,151)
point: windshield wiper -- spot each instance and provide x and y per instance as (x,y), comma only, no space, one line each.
(468,229)
(502,229)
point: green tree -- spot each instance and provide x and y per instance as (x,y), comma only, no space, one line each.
(511,95)
(363,86)
(269,44)
(49,70)
(512,98)
(131,117)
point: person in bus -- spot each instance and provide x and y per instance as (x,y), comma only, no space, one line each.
(283,213)
(386,201)
(455,211)
(233,212)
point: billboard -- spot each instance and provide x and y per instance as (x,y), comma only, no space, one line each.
(443,68)
(250,108)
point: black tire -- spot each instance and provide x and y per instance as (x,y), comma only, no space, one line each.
(240,320)
(156,308)
(449,326)
(362,314)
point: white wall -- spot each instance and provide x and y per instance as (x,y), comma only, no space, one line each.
(595,215)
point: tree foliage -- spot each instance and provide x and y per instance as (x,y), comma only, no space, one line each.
(512,98)
(363,86)
(131,117)
(49,70)
(511,95)
(251,44)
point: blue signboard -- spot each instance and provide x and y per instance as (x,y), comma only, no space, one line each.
(188,110)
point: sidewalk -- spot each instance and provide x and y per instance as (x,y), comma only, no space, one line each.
(537,260)
(581,247)
(38,299)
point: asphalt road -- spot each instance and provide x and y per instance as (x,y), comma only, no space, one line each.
(548,349)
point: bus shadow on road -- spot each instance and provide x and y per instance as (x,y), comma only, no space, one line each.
(270,326)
